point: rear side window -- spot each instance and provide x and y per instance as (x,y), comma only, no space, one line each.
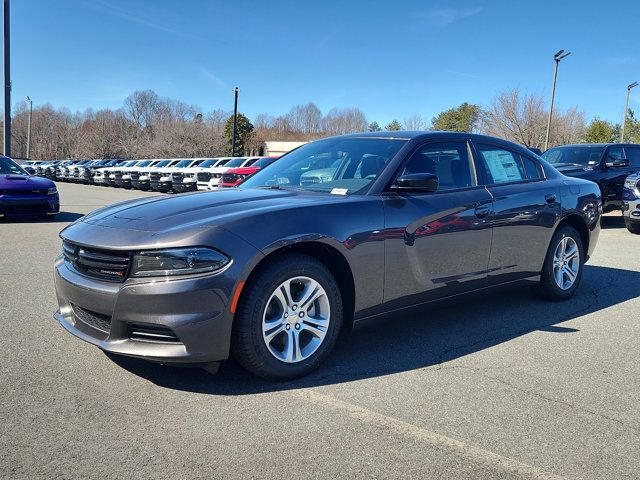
(633,155)
(501,166)
(449,161)
(531,167)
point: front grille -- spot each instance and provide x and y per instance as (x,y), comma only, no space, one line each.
(24,192)
(152,333)
(17,209)
(177,177)
(204,176)
(118,175)
(229,178)
(99,321)
(154,176)
(135,175)
(105,264)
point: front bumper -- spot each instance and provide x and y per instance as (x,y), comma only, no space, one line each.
(631,210)
(185,187)
(194,309)
(162,186)
(17,205)
(123,182)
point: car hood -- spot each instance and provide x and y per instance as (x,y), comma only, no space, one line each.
(166,215)
(24,182)
(244,170)
(575,171)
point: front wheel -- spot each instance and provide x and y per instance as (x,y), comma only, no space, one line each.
(562,269)
(289,318)
(633,227)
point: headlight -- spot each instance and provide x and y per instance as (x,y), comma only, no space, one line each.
(52,191)
(177,261)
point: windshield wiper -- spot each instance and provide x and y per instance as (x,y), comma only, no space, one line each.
(568,164)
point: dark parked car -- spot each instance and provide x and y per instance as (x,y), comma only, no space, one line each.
(23,194)
(607,164)
(631,203)
(272,270)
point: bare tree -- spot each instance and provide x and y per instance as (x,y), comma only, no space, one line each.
(414,122)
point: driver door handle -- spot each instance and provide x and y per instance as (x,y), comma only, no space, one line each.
(550,198)
(482,212)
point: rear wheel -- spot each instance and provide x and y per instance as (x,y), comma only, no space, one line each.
(289,319)
(562,269)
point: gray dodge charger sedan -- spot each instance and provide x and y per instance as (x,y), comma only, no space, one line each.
(270,272)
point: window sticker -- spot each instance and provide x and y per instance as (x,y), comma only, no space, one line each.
(502,166)
(339,191)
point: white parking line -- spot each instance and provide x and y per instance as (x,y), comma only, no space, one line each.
(493,460)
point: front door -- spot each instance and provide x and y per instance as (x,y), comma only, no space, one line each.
(437,244)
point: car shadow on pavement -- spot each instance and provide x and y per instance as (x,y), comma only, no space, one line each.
(62,217)
(418,338)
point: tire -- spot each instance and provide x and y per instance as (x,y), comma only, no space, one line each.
(261,313)
(633,227)
(571,264)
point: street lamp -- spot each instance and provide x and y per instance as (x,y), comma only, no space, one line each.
(29,127)
(626,109)
(557,57)
(235,121)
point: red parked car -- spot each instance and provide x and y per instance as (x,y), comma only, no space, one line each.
(235,176)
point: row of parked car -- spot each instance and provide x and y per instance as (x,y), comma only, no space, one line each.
(161,175)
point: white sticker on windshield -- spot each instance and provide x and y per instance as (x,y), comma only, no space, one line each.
(339,191)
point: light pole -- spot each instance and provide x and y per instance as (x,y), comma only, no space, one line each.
(235,121)
(6,38)
(626,109)
(557,57)
(29,128)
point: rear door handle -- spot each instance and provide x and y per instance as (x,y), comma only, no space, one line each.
(482,212)
(550,198)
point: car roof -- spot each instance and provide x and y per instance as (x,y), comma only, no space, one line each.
(596,145)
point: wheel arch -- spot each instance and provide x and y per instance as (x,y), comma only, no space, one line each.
(578,222)
(326,254)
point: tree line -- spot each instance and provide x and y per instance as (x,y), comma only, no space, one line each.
(150,126)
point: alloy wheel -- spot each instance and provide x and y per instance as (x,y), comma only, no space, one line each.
(566,263)
(296,319)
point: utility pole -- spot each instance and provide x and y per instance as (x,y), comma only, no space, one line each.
(7,76)
(557,57)
(626,109)
(29,128)
(235,121)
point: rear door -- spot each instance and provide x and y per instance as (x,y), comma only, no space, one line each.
(525,208)
(437,244)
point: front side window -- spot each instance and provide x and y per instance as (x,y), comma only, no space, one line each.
(500,165)
(615,153)
(334,165)
(449,161)
(9,167)
(633,155)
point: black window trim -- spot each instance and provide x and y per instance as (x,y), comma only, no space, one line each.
(433,141)
(513,152)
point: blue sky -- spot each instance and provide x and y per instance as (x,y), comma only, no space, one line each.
(391,59)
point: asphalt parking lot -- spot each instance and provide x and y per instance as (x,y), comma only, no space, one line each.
(501,385)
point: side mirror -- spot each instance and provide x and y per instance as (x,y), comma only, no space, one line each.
(416,182)
(616,162)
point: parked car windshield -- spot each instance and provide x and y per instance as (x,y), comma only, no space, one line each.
(9,167)
(208,163)
(263,162)
(574,155)
(144,164)
(236,162)
(163,163)
(334,165)
(183,163)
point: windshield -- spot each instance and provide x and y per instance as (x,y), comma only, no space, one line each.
(337,165)
(263,162)
(130,164)
(208,163)
(9,167)
(144,164)
(574,155)
(163,163)
(183,163)
(236,162)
